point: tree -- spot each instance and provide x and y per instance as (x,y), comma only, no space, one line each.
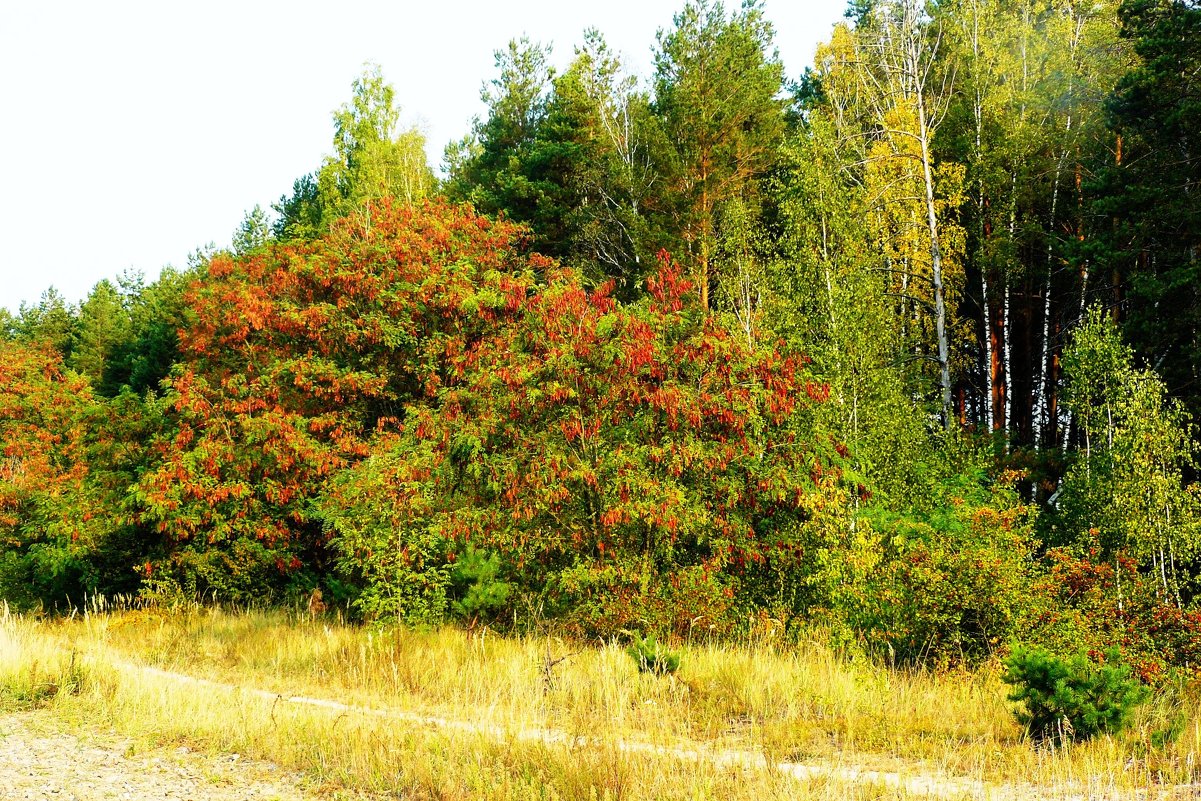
(718,86)
(1149,190)
(51,321)
(299,215)
(1029,130)
(156,313)
(831,296)
(101,327)
(618,218)
(1129,486)
(518,161)
(910,100)
(372,160)
(252,232)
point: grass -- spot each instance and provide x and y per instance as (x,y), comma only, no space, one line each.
(800,702)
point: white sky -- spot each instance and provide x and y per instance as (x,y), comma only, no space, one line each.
(135,132)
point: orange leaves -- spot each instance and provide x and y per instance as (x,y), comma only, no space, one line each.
(298,356)
(668,288)
(649,423)
(44,437)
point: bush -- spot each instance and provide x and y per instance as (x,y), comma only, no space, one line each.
(1094,603)
(652,657)
(953,580)
(475,578)
(630,462)
(1071,699)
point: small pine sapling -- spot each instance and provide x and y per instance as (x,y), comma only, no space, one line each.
(1071,699)
(476,578)
(651,657)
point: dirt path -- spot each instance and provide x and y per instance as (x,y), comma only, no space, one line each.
(39,762)
(916,783)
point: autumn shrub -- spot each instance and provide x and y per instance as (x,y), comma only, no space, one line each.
(296,357)
(1071,699)
(53,519)
(599,600)
(630,464)
(1093,604)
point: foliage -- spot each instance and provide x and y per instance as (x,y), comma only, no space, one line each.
(296,354)
(48,528)
(1071,699)
(954,578)
(1128,483)
(651,657)
(620,458)
(1093,604)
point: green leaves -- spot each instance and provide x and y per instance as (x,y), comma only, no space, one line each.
(1128,484)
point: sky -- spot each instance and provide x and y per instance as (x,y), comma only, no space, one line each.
(134,133)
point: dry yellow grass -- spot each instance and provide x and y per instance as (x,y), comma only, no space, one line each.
(798,703)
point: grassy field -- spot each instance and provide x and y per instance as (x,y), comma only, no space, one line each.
(789,703)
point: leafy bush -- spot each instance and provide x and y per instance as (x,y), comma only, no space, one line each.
(1071,699)
(954,578)
(651,657)
(54,526)
(1093,603)
(296,359)
(629,461)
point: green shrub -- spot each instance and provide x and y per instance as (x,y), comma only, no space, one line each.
(1072,699)
(651,657)
(475,578)
(953,578)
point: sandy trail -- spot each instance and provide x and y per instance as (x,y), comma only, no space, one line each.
(40,762)
(910,783)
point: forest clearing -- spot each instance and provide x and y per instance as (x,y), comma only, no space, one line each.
(715,432)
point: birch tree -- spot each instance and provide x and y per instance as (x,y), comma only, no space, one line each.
(909,94)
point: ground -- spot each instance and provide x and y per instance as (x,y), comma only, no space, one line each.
(40,761)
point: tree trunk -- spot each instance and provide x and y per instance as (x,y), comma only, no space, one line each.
(1040,395)
(940,308)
